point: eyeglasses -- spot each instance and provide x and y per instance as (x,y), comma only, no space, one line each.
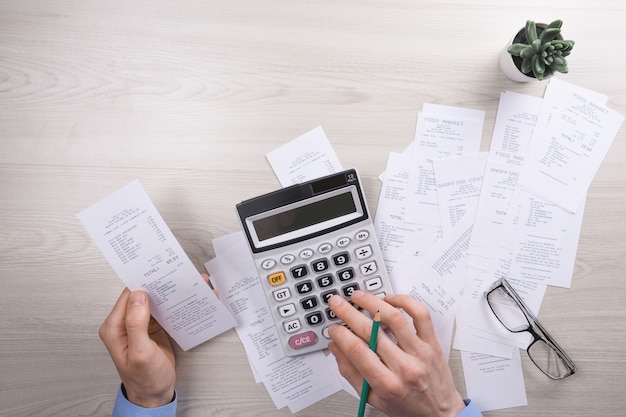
(516,317)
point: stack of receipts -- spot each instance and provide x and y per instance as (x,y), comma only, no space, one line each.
(452,220)
(543,157)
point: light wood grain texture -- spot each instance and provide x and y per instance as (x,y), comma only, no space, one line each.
(189,96)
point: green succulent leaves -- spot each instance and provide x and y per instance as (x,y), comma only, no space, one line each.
(543,54)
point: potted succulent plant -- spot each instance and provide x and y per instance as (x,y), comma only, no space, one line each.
(536,52)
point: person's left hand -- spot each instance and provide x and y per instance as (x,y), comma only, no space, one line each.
(141,351)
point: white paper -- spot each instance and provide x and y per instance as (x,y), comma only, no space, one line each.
(545,241)
(512,132)
(448,133)
(515,121)
(142,250)
(421,204)
(401,243)
(440,132)
(459,181)
(571,138)
(498,186)
(438,279)
(474,340)
(304,158)
(494,383)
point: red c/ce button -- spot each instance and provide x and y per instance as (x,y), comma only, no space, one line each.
(302,340)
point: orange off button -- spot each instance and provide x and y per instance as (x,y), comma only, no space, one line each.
(277,278)
(302,340)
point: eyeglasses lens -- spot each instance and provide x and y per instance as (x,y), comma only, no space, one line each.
(548,360)
(507,310)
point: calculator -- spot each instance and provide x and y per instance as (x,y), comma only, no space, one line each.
(310,241)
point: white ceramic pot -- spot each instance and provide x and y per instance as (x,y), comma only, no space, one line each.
(508,66)
(509,69)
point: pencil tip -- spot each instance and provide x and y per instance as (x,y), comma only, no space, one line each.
(377,316)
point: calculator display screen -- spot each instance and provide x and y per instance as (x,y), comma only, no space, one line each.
(304,216)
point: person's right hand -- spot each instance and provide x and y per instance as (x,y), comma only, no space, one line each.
(407,379)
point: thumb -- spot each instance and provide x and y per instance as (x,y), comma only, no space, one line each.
(137,321)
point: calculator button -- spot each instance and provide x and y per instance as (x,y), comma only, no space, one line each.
(304,287)
(291,326)
(287,259)
(302,340)
(373,284)
(320,265)
(341,259)
(325,281)
(277,278)
(314,318)
(325,332)
(368,268)
(309,302)
(268,264)
(331,314)
(306,253)
(349,289)
(342,242)
(282,294)
(324,248)
(346,274)
(363,252)
(299,271)
(287,310)
(362,235)
(326,295)
(381,295)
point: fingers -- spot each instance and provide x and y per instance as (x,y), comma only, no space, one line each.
(354,342)
(355,359)
(393,318)
(357,321)
(114,326)
(410,337)
(422,321)
(137,321)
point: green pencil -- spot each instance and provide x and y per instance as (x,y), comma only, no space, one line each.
(365,388)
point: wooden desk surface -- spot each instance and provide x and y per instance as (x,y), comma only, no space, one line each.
(188,97)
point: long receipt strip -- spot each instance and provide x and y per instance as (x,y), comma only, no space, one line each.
(142,250)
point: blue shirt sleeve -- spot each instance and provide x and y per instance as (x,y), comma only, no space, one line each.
(470,410)
(124,408)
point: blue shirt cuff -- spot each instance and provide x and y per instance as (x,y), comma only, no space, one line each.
(470,410)
(124,408)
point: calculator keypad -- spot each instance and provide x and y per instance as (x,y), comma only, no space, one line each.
(303,281)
